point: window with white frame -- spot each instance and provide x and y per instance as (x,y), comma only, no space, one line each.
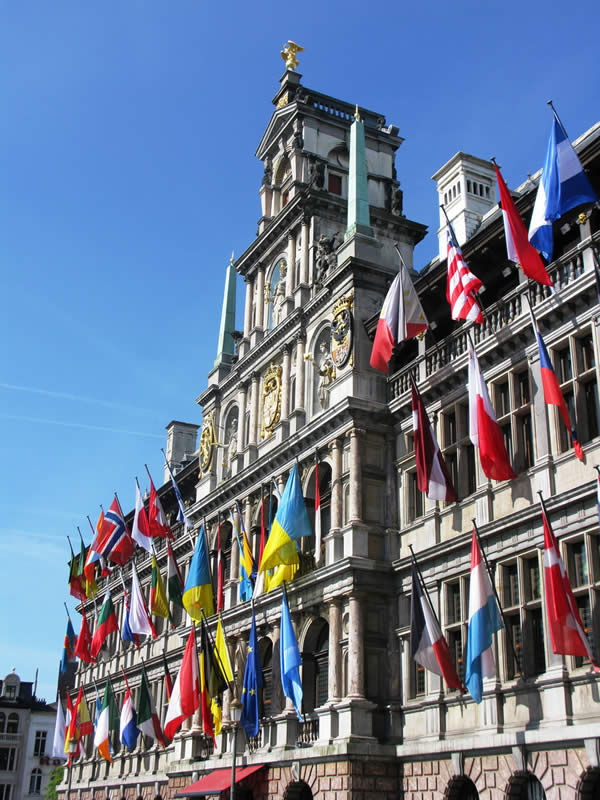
(35,781)
(5,791)
(521,595)
(511,395)
(8,759)
(39,746)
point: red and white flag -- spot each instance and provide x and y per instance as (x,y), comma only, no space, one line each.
(428,645)
(518,247)
(140,532)
(185,699)
(402,317)
(566,629)
(317,516)
(156,516)
(139,618)
(462,286)
(433,477)
(484,430)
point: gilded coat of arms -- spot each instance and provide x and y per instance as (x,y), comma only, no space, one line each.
(207,443)
(342,336)
(271,400)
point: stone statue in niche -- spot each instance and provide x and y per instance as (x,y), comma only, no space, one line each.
(316,173)
(268,176)
(279,297)
(326,372)
(325,257)
(397,201)
(231,447)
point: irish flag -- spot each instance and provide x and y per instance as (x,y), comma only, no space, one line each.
(106,723)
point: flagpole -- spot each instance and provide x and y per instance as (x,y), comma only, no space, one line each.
(558,119)
(490,576)
(67,610)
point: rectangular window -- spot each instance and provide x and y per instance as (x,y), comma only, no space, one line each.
(415,499)
(511,585)
(575,364)
(523,390)
(520,590)
(586,358)
(578,564)
(533,590)
(7,759)
(5,791)
(525,434)
(334,183)
(39,747)
(514,645)
(449,428)
(453,600)
(562,360)
(502,398)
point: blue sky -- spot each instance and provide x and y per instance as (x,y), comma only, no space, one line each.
(127,178)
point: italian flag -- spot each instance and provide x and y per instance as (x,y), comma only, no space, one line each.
(106,722)
(107,624)
(147,718)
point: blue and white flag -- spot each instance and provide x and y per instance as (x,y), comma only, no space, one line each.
(563,186)
(484,621)
(289,660)
(181,517)
(128,729)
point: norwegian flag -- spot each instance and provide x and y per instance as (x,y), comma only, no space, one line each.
(432,473)
(462,285)
(115,543)
(566,629)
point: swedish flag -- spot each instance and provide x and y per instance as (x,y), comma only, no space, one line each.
(290,524)
(252,683)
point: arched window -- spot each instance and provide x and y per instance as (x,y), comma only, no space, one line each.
(588,787)
(525,786)
(461,788)
(315,661)
(265,649)
(12,726)
(308,543)
(298,790)
(35,781)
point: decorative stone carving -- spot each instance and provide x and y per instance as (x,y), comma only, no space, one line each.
(316,173)
(268,176)
(278,296)
(207,443)
(271,400)
(289,53)
(342,330)
(325,257)
(397,202)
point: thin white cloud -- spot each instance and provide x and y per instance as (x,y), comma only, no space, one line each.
(66,424)
(75,397)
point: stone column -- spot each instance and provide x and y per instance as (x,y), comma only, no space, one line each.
(260,297)
(304,251)
(242,397)
(248,306)
(285,382)
(356,669)
(300,371)
(355,510)
(337,448)
(334,674)
(252,436)
(291,265)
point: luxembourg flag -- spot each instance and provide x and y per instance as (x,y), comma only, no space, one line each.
(563,186)
(128,729)
(484,621)
(402,317)
(484,430)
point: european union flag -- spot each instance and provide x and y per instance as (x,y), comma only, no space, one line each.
(252,683)
(289,658)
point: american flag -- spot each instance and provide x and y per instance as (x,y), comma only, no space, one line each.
(462,285)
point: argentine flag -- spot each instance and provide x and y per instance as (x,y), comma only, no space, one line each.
(563,186)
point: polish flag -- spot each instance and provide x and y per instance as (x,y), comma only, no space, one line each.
(518,248)
(402,317)
(484,430)
(185,699)
(432,473)
(566,629)
(140,531)
(428,646)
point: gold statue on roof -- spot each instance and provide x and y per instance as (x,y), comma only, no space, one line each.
(289,54)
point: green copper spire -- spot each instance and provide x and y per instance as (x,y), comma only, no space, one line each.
(225,348)
(358,191)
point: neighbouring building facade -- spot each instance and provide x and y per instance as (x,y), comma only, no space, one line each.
(26,731)
(295,385)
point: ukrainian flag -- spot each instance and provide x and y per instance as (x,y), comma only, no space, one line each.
(197,592)
(290,524)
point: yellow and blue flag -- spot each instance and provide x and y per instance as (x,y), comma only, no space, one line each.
(197,592)
(247,565)
(290,524)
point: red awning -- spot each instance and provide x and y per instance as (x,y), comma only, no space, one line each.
(216,781)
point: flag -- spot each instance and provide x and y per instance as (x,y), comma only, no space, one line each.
(317,516)
(484,621)
(156,515)
(247,566)
(566,629)
(88,575)
(80,724)
(462,286)
(518,248)
(207,722)
(251,685)
(402,317)
(168,679)
(106,723)
(598,492)
(139,618)
(428,645)
(185,699)
(126,633)
(76,573)
(216,679)
(58,743)
(222,652)
(140,532)
(484,430)
(68,723)
(147,719)
(181,516)
(290,524)
(289,659)
(553,395)
(93,554)
(84,641)
(174,579)
(432,473)
(68,653)
(115,543)
(220,573)
(128,729)
(197,593)
(107,624)
(563,186)
(259,583)
(159,605)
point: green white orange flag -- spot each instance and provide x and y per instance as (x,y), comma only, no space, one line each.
(107,722)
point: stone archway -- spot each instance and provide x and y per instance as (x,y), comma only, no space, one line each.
(461,788)
(524,786)
(588,786)
(298,790)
